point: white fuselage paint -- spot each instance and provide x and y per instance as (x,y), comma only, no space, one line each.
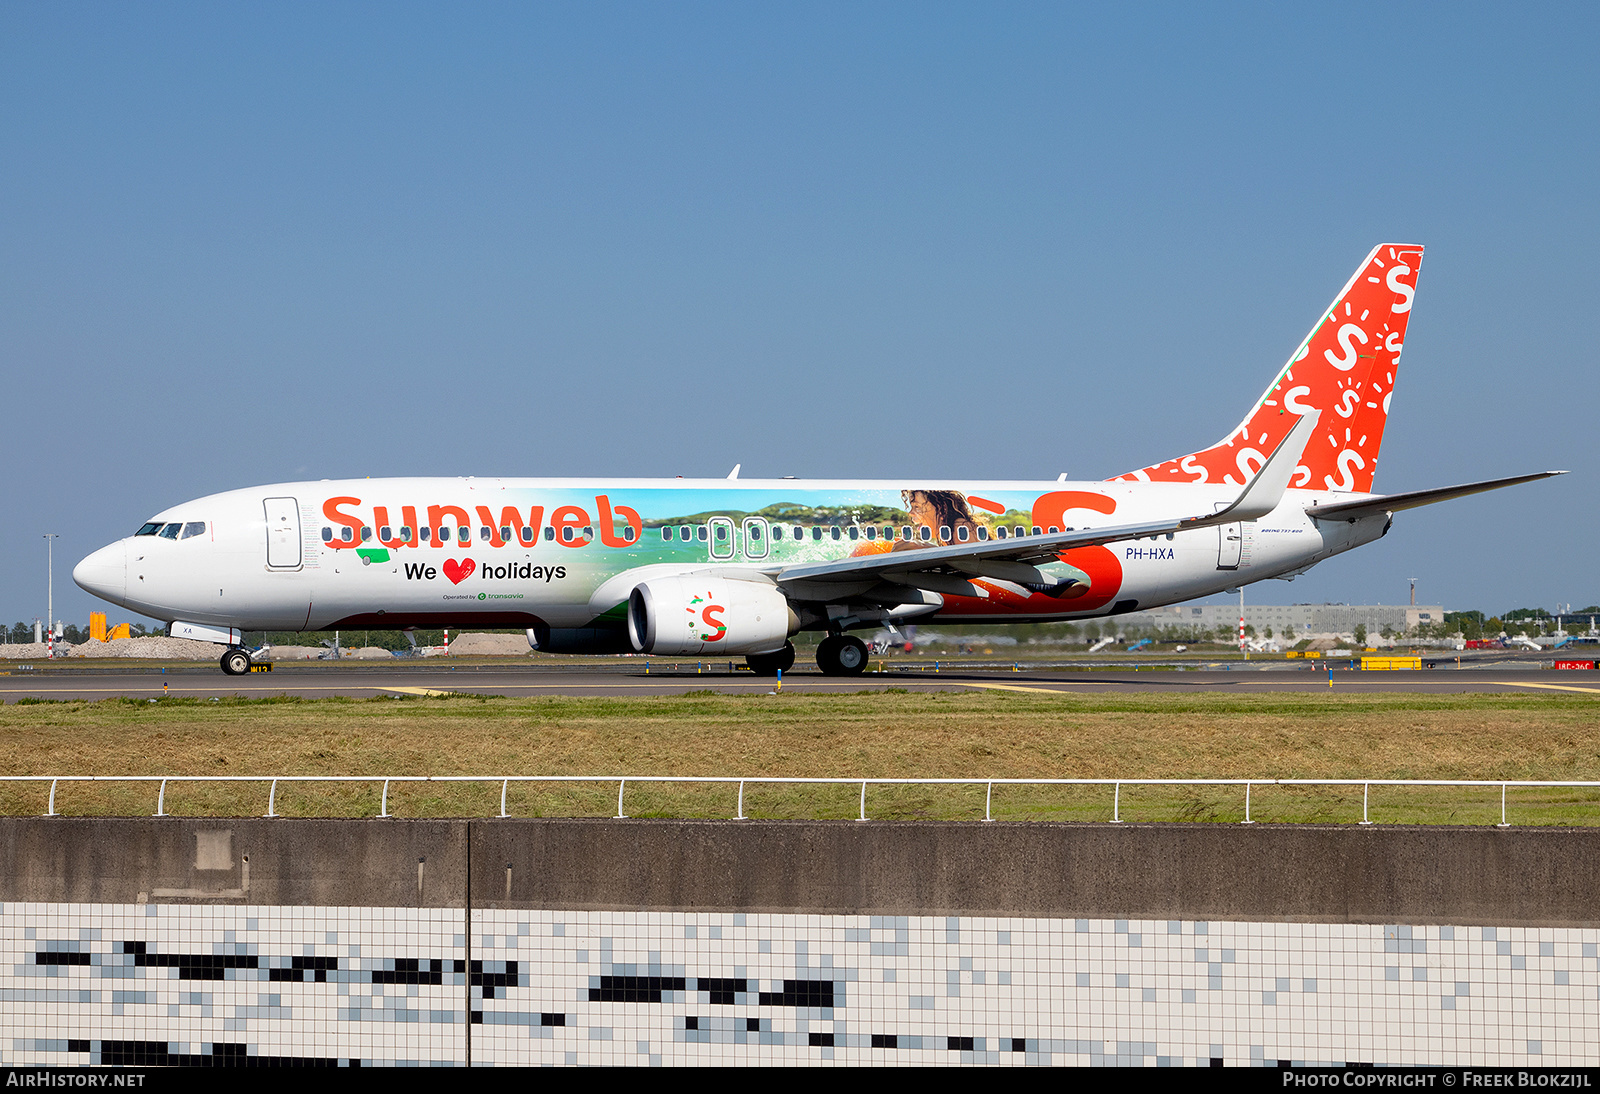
(223,577)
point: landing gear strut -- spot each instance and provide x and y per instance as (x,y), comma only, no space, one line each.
(236,662)
(770,664)
(841,655)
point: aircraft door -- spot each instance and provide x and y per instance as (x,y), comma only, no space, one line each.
(283,533)
(1230,542)
(723,539)
(755,537)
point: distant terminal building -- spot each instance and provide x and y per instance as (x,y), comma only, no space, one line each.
(1302,620)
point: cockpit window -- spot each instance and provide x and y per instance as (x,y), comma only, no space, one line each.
(194,528)
(149,529)
(171,531)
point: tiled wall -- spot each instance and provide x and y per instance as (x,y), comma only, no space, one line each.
(166,983)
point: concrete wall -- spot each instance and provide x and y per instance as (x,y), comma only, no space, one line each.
(1380,874)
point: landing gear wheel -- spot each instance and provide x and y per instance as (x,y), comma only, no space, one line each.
(842,655)
(236,662)
(770,664)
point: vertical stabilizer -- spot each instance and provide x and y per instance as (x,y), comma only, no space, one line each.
(1344,368)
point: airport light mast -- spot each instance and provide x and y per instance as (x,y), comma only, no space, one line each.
(50,595)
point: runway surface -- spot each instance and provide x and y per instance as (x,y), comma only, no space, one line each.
(320,680)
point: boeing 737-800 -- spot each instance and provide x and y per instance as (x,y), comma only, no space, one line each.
(737,567)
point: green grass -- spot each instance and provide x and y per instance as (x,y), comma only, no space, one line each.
(882,734)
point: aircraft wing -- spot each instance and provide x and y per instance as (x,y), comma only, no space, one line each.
(1393,503)
(946,568)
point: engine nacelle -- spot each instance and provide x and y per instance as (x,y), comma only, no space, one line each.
(691,614)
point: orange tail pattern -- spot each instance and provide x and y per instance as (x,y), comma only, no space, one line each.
(1344,368)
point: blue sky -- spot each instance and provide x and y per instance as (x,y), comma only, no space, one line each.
(247,244)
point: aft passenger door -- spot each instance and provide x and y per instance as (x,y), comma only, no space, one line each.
(1230,543)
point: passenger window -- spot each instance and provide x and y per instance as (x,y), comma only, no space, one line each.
(463,535)
(1000,532)
(944,533)
(627,534)
(528,536)
(700,533)
(427,534)
(405,534)
(684,533)
(722,533)
(566,535)
(816,535)
(194,528)
(855,533)
(550,534)
(485,533)
(588,533)
(905,533)
(963,532)
(1054,530)
(505,534)
(346,534)
(777,531)
(799,532)
(385,532)
(872,531)
(666,533)
(366,534)
(327,535)
(834,531)
(983,534)
(924,532)
(755,531)
(1035,529)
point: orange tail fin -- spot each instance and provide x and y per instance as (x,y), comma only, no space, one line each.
(1344,368)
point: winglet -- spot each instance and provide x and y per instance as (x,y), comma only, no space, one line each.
(1262,494)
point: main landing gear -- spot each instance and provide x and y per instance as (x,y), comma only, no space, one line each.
(236,662)
(841,655)
(770,664)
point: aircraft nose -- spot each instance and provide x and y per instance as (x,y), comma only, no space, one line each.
(105,573)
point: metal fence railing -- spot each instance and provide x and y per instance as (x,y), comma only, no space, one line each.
(1116,785)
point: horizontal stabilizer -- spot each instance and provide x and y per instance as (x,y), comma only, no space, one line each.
(1393,503)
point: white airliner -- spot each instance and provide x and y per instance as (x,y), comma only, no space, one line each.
(736,567)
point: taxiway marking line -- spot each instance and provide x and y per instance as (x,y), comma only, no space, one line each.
(1012,687)
(1552,687)
(666,682)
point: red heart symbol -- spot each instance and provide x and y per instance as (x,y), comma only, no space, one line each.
(458,572)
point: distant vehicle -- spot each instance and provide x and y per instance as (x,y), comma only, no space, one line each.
(1139,645)
(736,567)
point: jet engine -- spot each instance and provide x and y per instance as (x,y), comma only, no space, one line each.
(692,614)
